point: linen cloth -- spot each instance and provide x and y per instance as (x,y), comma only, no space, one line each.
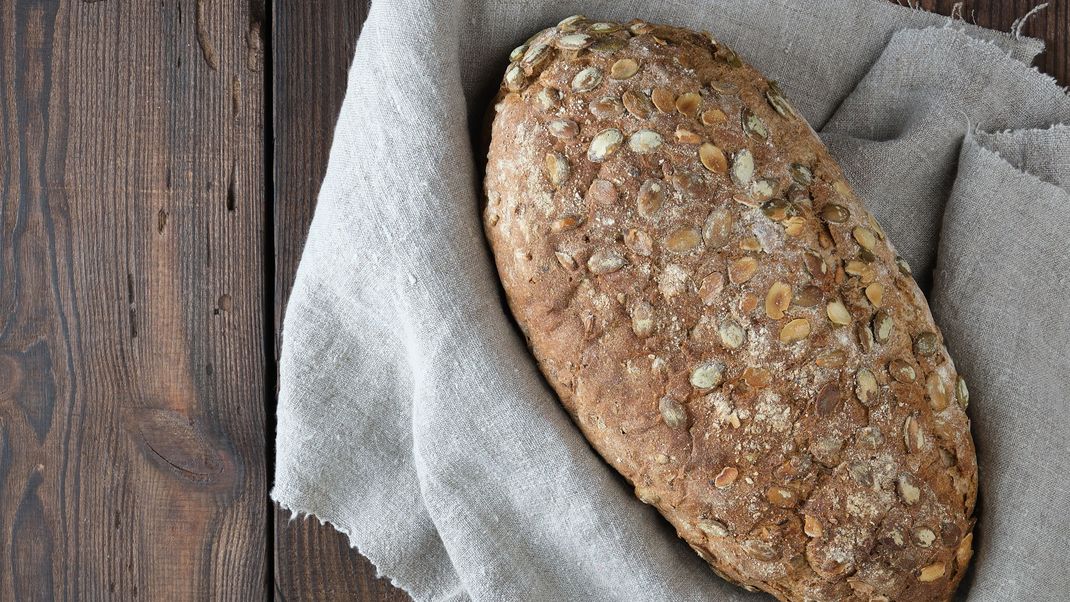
(412,417)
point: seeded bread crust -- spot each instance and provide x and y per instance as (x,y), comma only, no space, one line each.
(724,320)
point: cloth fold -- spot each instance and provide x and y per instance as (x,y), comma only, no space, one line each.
(412,417)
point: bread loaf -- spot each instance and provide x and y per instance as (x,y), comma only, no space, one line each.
(723,319)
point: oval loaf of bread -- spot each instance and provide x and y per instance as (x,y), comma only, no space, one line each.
(724,320)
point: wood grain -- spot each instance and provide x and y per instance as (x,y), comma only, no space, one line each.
(312,45)
(131,342)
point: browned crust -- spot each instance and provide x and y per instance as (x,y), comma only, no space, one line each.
(778,472)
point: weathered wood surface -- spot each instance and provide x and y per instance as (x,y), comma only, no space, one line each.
(148,241)
(131,313)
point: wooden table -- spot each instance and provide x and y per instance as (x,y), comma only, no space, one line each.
(160,168)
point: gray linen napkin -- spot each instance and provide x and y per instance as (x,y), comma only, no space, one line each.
(412,417)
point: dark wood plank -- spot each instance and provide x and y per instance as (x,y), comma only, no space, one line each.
(131,321)
(312,45)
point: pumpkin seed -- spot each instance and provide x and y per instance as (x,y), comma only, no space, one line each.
(557,170)
(650,198)
(777,300)
(743,168)
(710,288)
(713,528)
(794,331)
(875,294)
(748,302)
(828,399)
(606,107)
(604,143)
(536,55)
(926,343)
(515,78)
(836,214)
(724,88)
(908,491)
(871,436)
(640,27)
(837,313)
(574,41)
(672,412)
(607,45)
(623,69)
(686,136)
(902,371)
(731,334)
(602,192)
(815,264)
(742,269)
(683,240)
(602,28)
(753,125)
(605,261)
(760,550)
(931,572)
(563,128)
(713,158)
(688,183)
(801,174)
(663,99)
(913,436)
(778,209)
(904,267)
(831,359)
(841,188)
(587,79)
(882,326)
(866,387)
(728,56)
(569,222)
(760,191)
(518,53)
(964,551)
(688,103)
(795,225)
(718,228)
(726,477)
(939,396)
(637,104)
(639,242)
(777,101)
(547,98)
(573,21)
(860,474)
(707,375)
(781,497)
(642,319)
(962,393)
(864,237)
(644,141)
(759,378)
